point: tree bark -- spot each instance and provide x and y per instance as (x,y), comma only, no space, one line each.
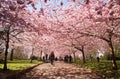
(114,64)
(32,55)
(40,55)
(83,54)
(6,49)
(74,56)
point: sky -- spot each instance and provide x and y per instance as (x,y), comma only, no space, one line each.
(55,3)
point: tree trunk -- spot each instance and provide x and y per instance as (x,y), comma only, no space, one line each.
(6,49)
(83,54)
(32,55)
(114,64)
(40,55)
(11,56)
(74,56)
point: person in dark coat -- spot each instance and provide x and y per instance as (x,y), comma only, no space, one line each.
(70,59)
(43,58)
(52,57)
(46,56)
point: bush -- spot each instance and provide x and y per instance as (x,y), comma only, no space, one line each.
(1,61)
(33,57)
(118,57)
(109,57)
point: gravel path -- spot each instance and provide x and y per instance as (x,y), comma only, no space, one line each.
(59,70)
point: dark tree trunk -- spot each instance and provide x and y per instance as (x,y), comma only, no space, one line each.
(40,55)
(6,49)
(32,55)
(11,55)
(83,55)
(114,64)
(74,56)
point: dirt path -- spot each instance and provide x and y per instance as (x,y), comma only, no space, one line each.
(59,70)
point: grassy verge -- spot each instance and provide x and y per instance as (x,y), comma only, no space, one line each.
(104,67)
(17,65)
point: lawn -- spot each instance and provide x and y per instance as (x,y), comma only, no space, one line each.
(17,65)
(103,67)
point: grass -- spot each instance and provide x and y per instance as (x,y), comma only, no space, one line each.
(17,65)
(104,67)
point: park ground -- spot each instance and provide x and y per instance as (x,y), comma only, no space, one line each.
(16,66)
(60,70)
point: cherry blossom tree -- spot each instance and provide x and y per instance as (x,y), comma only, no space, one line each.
(104,25)
(76,24)
(98,19)
(10,22)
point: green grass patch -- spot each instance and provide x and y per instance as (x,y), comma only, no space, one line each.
(104,67)
(17,65)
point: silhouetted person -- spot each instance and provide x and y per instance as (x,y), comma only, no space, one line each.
(46,56)
(56,58)
(66,58)
(70,59)
(43,58)
(98,59)
(52,57)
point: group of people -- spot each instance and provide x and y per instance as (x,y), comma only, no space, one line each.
(68,58)
(51,58)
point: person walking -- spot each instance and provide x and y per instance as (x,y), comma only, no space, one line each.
(70,59)
(52,57)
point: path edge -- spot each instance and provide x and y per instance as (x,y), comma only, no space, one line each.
(101,75)
(18,74)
